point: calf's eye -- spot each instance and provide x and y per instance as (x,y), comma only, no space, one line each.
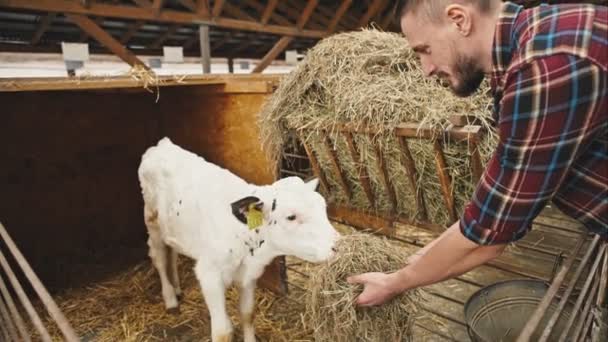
(291,217)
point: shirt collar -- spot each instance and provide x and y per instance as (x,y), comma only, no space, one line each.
(504,42)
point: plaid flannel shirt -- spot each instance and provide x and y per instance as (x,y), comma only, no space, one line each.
(549,82)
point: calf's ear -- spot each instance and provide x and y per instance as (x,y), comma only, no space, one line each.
(313,184)
(241,207)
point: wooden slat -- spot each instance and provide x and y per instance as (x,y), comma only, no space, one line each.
(84,36)
(359,219)
(273,15)
(385,177)
(361,169)
(280,45)
(268,11)
(43,25)
(344,6)
(105,39)
(140,13)
(373,8)
(315,164)
(412,173)
(217,7)
(236,12)
(464,120)
(335,163)
(133,28)
(166,35)
(476,166)
(444,179)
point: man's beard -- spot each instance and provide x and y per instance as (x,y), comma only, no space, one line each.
(469,76)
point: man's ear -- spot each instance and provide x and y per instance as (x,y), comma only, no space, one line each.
(241,207)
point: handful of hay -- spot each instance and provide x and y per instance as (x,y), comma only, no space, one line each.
(330,307)
(373,78)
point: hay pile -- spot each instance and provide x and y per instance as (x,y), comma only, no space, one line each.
(372,78)
(331,311)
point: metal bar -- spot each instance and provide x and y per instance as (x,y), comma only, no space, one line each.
(444,178)
(384,176)
(534,321)
(601,297)
(586,328)
(8,322)
(14,312)
(29,308)
(294,173)
(584,314)
(362,170)
(293,155)
(315,164)
(46,298)
(568,292)
(410,166)
(335,163)
(581,296)
(3,329)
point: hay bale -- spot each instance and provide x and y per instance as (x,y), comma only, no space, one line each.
(373,78)
(330,308)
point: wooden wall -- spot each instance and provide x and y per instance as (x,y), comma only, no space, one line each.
(69,193)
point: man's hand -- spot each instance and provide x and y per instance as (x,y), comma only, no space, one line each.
(378,289)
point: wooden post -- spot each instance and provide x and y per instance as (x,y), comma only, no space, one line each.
(444,178)
(105,39)
(476,167)
(272,54)
(362,171)
(335,163)
(205,48)
(410,166)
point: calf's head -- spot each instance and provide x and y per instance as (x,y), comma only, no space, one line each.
(294,219)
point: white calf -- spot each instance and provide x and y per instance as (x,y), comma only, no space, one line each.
(197,209)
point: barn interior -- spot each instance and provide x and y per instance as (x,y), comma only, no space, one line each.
(70,148)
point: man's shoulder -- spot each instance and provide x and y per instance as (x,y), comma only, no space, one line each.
(574,29)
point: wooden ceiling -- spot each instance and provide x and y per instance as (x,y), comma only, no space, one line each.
(238,28)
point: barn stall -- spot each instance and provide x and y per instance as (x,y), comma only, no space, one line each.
(72,204)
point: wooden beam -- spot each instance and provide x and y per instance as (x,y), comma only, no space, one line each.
(348,19)
(84,36)
(131,31)
(296,7)
(157,6)
(217,8)
(138,13)
(202,7)
(105,39)
(344,6)
(373,8)
(237,12)
(308,10)
(168,33)
(284,41)
(189,4)
(43,25)
(273,15)
(269,10)
(272,54)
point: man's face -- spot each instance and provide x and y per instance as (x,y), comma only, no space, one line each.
(442,52)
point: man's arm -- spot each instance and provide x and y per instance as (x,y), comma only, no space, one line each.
(548,115)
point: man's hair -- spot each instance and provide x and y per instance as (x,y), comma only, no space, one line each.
(433,8)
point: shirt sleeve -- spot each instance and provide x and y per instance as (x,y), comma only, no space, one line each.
(544,122)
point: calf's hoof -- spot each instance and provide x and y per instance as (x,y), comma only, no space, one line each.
(173,311)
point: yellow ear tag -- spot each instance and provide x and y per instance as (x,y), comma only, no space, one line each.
(255,217)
